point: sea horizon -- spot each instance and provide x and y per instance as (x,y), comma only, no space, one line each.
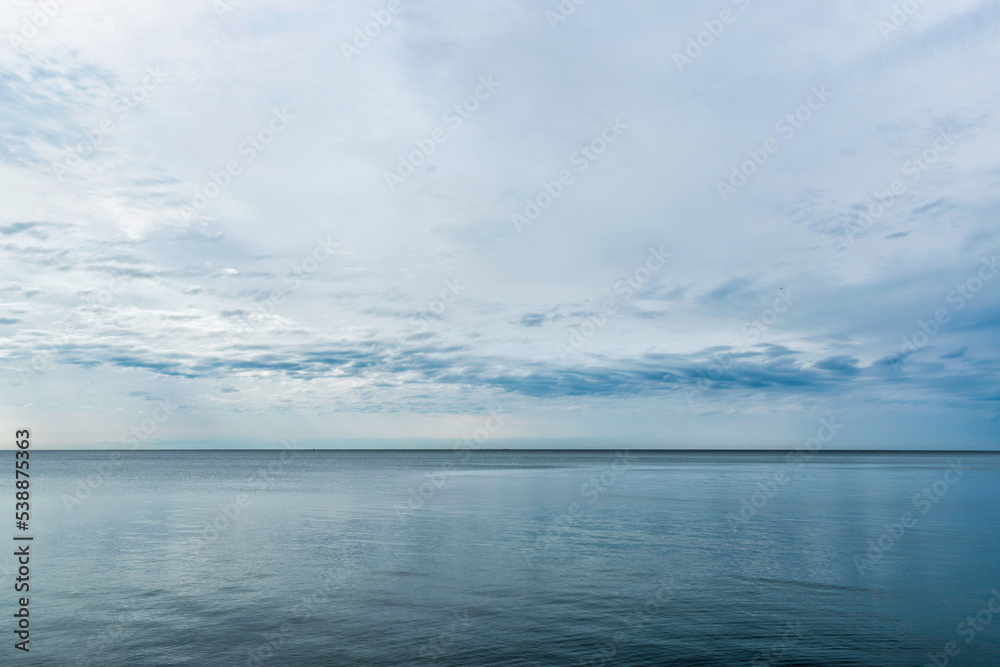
(515,449)
(512,557)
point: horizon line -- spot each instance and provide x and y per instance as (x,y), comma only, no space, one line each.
(521,449)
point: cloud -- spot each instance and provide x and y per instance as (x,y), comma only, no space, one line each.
(533,319)
(297,282)
(840,364)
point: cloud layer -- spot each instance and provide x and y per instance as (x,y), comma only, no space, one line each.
(652,224)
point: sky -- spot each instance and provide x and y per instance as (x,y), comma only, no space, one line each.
(723,224)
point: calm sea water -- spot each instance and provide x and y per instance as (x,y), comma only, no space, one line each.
(509,558)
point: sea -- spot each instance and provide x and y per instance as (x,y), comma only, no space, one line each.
(402,557)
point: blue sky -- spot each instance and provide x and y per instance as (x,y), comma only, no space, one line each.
(653,224)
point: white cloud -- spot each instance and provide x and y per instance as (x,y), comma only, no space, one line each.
(218,304)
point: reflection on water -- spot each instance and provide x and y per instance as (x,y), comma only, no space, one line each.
(385,558)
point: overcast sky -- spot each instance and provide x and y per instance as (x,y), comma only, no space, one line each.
(680,224)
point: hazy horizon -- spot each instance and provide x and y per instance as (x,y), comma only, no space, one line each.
(231,221)
(435,445)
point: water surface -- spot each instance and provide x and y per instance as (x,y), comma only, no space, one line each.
(509,558)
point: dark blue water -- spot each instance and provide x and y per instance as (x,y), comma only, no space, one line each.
(509,558)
